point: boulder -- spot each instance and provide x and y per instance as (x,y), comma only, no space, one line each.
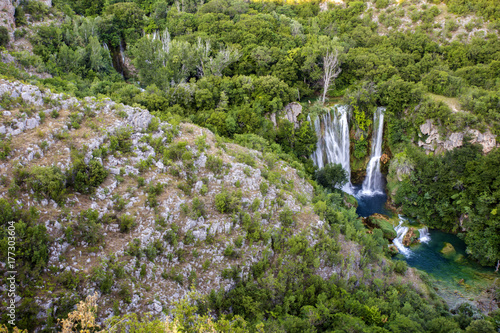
(381,222)
(448,249)
(384,158)
(291,112)
(393,250)
(411,237)
(7,11)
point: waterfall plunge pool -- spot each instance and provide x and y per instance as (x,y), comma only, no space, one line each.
(454,277)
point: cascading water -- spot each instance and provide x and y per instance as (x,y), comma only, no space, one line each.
(398,241)
(425,236)
(374,183)
(332,130)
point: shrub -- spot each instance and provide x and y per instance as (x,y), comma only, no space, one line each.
(175,151)
(88,227)
(127,222)
(198,208)
(400,267)
(246,158)
(4,36)
(85,178)
(5,148)
(201,143)
(264,186)
(215,164)
(48,182)
(332,176)
(189,238)
(220,202)
(153,125)
(287,217)
(121,140)
(204,189)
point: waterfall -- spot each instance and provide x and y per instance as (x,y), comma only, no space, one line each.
(398,241)
(373,183)
(425,236)
(105,46)
(122,53)
(332,130)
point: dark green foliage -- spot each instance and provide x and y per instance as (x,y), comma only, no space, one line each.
(85,178)
(332,176)
(88,227)
(360,148)
(127,222)
(120,140)
(31,238)
(215,164)
(460,185)
(4,148)
(46,182)
(226,202)
(4,36)
(176,150)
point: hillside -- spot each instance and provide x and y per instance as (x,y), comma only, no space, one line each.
(163,203)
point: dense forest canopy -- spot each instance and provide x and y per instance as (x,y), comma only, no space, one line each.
(229,66)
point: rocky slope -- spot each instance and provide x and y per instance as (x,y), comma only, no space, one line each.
(197,208)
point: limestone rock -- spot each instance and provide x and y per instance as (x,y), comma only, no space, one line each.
(454,139)
(290,113)
(7,14)
(448,249)
(410,237)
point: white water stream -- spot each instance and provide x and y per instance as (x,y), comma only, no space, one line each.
(374,183)
(332,130)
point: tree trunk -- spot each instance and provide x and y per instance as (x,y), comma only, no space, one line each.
(331,68)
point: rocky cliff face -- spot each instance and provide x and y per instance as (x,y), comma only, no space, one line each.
(7,11)
(199,209)
(434,142)
(290,113)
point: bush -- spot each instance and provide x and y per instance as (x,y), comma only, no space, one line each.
(5,148)
(4,36)
(287,217)
(332,176)
(121,141)
(88,227)
(85,178)
(400,267)
(46,182)
(263,187)
(175,151)
(198,208)
(127,222)
(214,164)
(226,202)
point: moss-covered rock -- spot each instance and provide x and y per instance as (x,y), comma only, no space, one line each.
(382,222)
(448,250)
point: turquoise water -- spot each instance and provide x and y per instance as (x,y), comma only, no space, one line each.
(454,276)
(368,205)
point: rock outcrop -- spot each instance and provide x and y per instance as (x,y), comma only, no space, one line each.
(448,250)
(382,222)
(7,11)
(435,142)
(179,236)
(291,112)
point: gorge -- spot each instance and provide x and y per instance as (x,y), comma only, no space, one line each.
(441,255)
